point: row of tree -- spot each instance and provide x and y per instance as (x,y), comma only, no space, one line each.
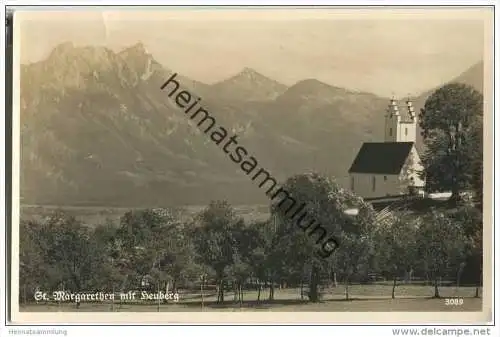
(219,247)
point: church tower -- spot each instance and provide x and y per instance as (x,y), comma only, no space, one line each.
(392,120)
(400,127)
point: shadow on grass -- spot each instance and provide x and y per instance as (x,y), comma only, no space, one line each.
(246,304)
(266,304)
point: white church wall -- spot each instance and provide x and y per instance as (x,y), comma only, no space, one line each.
(385,185)
(412,169)
(407,132)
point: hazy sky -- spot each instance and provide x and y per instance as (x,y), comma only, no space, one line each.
(379,51)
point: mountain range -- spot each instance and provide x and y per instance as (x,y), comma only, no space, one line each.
(97,130)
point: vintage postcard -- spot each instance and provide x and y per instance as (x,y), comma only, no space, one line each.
(252,165)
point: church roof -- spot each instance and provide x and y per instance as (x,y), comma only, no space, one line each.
(381,158)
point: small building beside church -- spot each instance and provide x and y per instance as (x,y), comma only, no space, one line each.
(389,168)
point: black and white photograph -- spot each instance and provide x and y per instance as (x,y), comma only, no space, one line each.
(303,164)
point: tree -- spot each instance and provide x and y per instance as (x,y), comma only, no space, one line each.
(133,251)
(71,255)
(469,218)
(214,240)
(441,244)
(32,265)
(397,247)
(353,257)
(288,252)
(174,258)
(448,120)
(154,244)
(251,254)
(471,222)
(108,276)
(268,258)
(176,255)
(303,237)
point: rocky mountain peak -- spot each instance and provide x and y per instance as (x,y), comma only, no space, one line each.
(249,84)
(249,73)
(63,48)
(139,60)
(136,50)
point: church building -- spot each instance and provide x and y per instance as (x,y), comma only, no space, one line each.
(389,168)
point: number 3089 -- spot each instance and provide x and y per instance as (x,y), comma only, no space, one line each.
(454,301)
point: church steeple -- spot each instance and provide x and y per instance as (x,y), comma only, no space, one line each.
(393,107)
(411,109)
(400,125)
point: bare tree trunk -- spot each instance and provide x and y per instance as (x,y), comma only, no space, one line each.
(302,289)
(258,291)
(240,290)
(480,283)
(265,284)
(436,289)
(271,290)
(394,287)
(313,291)
(222,291)
(202,297)
(346,284)
(217,289)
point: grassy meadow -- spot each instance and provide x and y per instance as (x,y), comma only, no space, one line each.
(95,216)
(362,298)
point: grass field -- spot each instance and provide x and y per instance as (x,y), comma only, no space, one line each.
(362,298)
(101,215)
